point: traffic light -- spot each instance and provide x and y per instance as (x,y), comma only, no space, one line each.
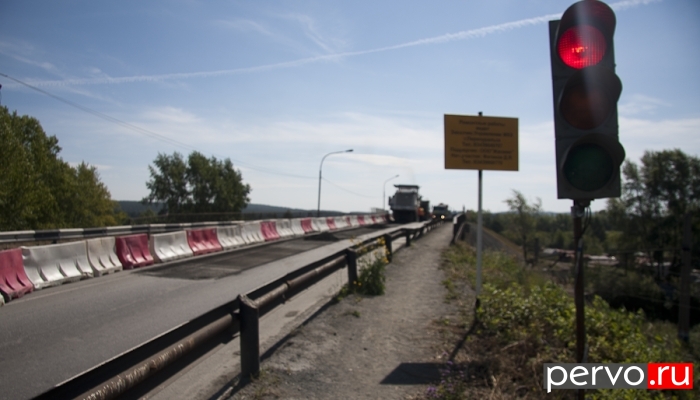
(586,91)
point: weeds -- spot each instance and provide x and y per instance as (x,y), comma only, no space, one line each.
(371,281)
(526,320)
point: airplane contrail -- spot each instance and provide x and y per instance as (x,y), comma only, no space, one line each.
(449,37)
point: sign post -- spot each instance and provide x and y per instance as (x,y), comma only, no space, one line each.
(481,143)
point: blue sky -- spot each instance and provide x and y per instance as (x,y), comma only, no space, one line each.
(276,85)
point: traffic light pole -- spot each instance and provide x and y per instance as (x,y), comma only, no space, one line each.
(578,211)
(479,236)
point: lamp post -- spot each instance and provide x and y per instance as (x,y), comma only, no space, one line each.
(318,210)
(384,192)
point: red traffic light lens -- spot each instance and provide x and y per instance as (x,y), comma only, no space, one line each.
(581,46)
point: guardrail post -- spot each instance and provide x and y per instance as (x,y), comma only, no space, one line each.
(389,249)
(408,238)
(351,257)
(250,338)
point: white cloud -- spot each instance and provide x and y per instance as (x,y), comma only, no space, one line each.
(326,44)
(245,25)
(313,32)
(640,104)
(377,159)
(638,135)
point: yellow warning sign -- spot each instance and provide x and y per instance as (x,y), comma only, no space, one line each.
(488,143)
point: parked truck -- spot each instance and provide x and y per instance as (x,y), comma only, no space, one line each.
(405,204)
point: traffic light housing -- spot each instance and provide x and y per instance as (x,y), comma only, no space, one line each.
(585,95)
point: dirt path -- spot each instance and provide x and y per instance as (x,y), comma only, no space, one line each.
(384,347)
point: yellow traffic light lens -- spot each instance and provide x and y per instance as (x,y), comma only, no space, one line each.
(585,106)
(588,167)
(581,46)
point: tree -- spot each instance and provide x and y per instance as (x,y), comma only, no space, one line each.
(200,185)
(38,190)
(655,198)
(524,218)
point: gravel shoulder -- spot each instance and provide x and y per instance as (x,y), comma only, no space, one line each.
(383,347)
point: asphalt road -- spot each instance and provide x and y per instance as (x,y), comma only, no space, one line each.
(53,334)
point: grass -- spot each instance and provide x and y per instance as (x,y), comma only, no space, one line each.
(526,320)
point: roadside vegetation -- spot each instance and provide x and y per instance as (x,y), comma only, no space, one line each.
(371,268)
(647,219)
(525,319)
(39,190)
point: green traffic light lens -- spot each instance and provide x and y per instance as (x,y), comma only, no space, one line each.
(588,167)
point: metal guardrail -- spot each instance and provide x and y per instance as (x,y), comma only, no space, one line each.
(459,227)
(117,376)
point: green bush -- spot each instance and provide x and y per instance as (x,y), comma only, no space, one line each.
(372,280)
(522,310)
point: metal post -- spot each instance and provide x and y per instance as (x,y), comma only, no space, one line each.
(479,238)
(250,338)
(684,300)
(479,234)
(389,248)
(408,238)
(578,211)
(318,210)
(351,257)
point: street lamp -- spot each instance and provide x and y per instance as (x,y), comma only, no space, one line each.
(384,192)
(318,211)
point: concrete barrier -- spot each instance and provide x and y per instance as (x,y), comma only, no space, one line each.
(230,236)
(14,282)
(284,228)
(55,264)
(330,221)
(169,246)
(307,225)
(102,256)
(341,222)
(203,241)
(252,233)
(321,224)
(133,251)
(353,221)
(297,228)
(269,230)
(361,220)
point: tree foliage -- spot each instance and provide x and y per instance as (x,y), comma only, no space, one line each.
(196,185)
(655,197)
(524,218)
(38,190)
(554,231)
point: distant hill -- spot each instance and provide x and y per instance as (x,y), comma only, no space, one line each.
(134,209)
